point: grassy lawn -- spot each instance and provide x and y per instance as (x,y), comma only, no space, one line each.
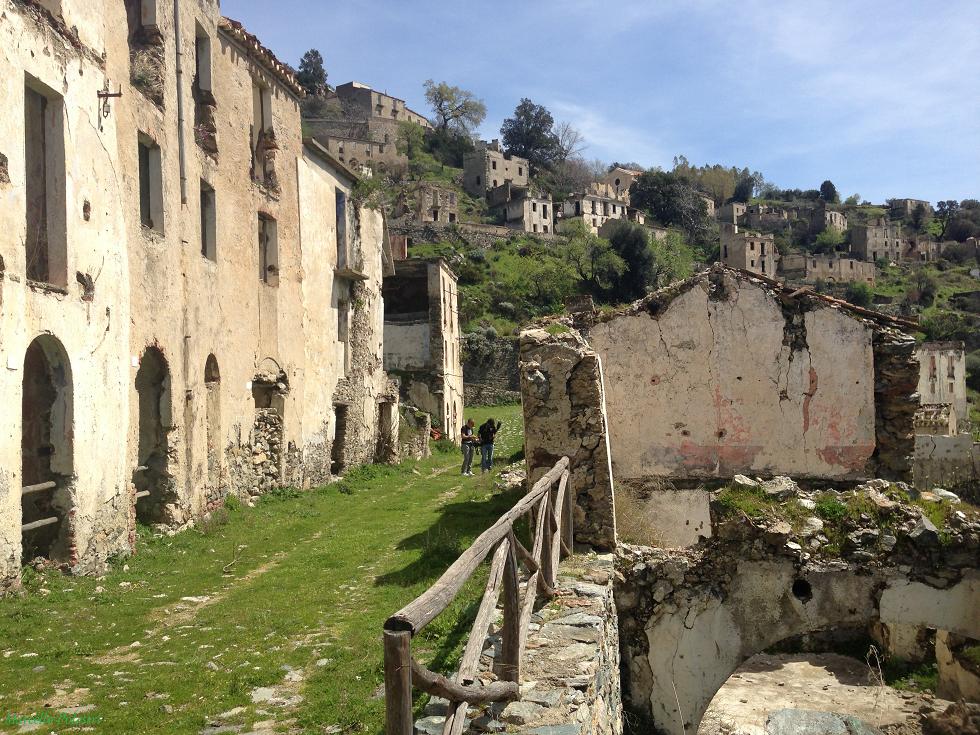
(290,594)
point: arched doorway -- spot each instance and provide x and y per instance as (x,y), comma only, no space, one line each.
(212,386)
(46,451)
(152,478)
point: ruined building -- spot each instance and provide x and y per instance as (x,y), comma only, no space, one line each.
(422,340)
(523,208)
(598,204)
(190,298)
(366,133)
(487,167)
(942,376)
(829,267)
(878,240)
(721,374)
(749,251)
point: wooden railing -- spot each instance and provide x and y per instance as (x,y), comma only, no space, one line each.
(552,532)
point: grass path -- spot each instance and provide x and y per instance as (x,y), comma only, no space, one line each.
(290,594)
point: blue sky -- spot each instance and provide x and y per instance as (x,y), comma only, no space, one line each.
(881,97)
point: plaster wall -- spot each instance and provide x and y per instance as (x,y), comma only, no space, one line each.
(92,330)
(407,345)
(715,386)
(952,462)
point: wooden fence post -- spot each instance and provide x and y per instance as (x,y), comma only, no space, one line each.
(510,648)
(398,683)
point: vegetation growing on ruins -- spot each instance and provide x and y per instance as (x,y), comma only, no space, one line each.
(295,588)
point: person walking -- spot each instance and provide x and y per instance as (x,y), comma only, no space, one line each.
(488,433)
(468,445)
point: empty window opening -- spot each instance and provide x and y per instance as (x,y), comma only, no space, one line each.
(406,298)
(802,590)
(209,230)
(343,332)
(44,159)
(212,387)
(268,250)
(452,217)
(340,210)
(544,210)
(155,486)
(46,451)
(261,131)
(151,184)
(337,450)
(202,59)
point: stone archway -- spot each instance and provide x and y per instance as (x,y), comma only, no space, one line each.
(683,640)
(156,491)
(47,452)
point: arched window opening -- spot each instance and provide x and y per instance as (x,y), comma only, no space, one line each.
(46,452)
(155,487)
(212,386)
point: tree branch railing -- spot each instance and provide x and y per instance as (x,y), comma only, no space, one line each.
(551,508)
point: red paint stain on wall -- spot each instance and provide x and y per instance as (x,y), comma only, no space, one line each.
(809,392)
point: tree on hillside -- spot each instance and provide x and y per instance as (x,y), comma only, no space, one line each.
(828,192)
(920,216)
(455,108)
(945,211)
(530,134)
(672,202)
(853,200)
(570,142)
(311,75)
(631,242)
(598,266)
(743,189)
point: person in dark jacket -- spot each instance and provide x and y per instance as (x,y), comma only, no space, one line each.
(488,433)
(468,442)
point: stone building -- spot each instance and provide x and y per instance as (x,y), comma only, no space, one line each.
(731,213)
(488,167)
(531,213)
(942,377)
(368,133)
(936,419)
(904,208)
(878,240)
(161,313)
(598,204)
(422,340)
(749,251)
(823,217)
(620,180)
(830,267)
(426,202)
(762,215)
(709,204)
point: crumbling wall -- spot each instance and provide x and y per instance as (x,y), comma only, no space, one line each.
(951,462)
(490,369)
(413,433)
(565,415)
(896,378)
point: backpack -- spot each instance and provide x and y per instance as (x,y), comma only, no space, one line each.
(487,433)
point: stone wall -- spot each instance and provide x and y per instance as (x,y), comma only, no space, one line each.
(689,618)
(951,462)
(413,433)
(727,373)
(570,670)
(565,415)
(490,372)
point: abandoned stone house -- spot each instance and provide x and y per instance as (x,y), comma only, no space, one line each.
(823,217)
(190,300)
(904,208)
(522,208)
(597,205)
(763,215)
(942,377)
(422,340)
(709,204)
(731,213)
(878,240)
(620,180)
(426,202)
(829,267)
(749,251)
(487,167)
(723,373)
(368,133)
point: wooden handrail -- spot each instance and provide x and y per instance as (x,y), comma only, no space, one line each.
(552,519)
(421,611)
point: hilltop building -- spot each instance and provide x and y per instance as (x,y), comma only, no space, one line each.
(749,251)
(488,167)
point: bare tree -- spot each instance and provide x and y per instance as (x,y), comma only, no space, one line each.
(571,142)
